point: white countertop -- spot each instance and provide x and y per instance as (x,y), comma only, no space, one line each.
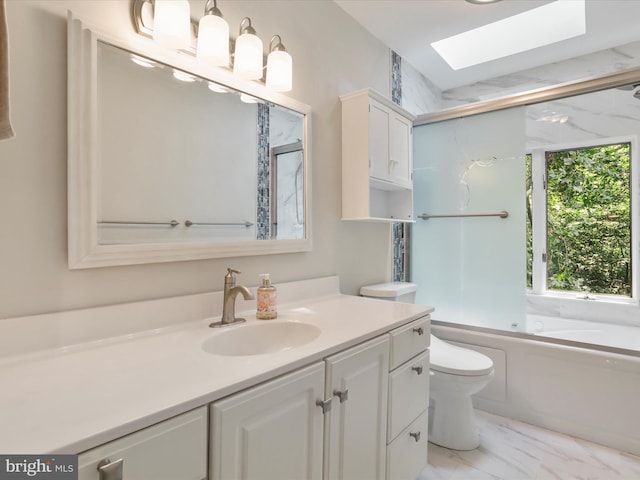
(71,399)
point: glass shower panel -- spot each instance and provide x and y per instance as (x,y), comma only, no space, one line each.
(472,269)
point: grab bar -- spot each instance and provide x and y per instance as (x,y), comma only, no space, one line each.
(502,214)
(172,223)
(188,223)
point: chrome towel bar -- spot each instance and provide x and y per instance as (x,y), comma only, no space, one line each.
(188,223)
(502,214)
(172,223)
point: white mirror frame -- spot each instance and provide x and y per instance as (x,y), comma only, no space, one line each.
(83,163)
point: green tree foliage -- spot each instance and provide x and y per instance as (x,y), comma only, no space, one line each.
(588,220)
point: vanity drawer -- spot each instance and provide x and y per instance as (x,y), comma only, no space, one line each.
(408,393)
(407,454)
(408,341)
(175,449)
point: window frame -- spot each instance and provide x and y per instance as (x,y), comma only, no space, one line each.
(572,303)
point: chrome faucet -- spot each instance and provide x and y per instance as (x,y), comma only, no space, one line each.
(231,291)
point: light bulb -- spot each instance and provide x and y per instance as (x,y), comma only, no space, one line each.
(279,71)
(213,41)
(247,61)
(172,24)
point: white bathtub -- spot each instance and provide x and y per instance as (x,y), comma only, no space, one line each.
(595,333)
(574,388)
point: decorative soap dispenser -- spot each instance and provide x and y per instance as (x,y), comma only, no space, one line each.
(266,308)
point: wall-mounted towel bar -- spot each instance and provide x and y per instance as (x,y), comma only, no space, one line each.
(188,223)
(502,214)
(172,223)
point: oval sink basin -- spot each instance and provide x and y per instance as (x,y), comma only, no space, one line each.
(260,338)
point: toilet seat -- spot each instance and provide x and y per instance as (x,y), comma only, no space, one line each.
(448,358)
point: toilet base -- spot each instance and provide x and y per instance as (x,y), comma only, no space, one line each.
(452,423)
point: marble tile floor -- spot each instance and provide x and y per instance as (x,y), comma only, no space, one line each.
(512,450)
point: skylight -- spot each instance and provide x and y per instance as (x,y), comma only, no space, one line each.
(550,23)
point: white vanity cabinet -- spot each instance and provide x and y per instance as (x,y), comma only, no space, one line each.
(361,413)
(175,449)
(273,431)
(358,413)
(408,400)
(377,158)
(356,425)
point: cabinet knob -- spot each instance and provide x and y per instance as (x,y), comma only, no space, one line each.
(415,435)
(342,395)
(110,470)
(419,330)
(324,404)
(417,369)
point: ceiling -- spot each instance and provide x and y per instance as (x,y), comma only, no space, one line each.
(409,26)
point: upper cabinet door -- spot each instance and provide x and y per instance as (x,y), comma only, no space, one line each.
(379,125)
(400,150)
(390,145)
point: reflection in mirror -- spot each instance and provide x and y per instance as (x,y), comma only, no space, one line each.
(171,161)
(287,181)
(183,159)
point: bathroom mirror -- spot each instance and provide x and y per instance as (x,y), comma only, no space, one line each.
(168,162)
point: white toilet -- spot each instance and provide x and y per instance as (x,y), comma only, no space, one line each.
(456,374)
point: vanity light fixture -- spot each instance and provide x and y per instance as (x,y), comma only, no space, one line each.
(169,23)
(279,67)
(172,24)
(247,60)
(213,37)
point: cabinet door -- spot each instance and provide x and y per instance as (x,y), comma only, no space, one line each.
(175,449)
(400,150)
(270,432)
(379,123)
(355,427)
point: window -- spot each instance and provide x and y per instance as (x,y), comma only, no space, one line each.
(579,220)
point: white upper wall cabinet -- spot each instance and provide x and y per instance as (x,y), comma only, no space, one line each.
(377,159)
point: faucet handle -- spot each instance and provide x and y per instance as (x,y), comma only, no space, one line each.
(230,278)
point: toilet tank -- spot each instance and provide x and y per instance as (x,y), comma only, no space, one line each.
(395,291)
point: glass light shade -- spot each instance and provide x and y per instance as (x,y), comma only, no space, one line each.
(279,71)
(172,24)
(213,41)
(247,62)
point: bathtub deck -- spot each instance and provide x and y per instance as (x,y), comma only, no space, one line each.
(512,450)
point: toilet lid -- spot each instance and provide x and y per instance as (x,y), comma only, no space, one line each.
(448,358)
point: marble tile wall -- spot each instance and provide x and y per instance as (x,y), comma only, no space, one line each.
(419,94)
(586,66)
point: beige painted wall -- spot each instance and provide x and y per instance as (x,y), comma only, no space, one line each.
(333,55)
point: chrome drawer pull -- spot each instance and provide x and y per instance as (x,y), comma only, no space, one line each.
(417,369)
(342,395)
(415,435)
(110,470)
(419,330)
